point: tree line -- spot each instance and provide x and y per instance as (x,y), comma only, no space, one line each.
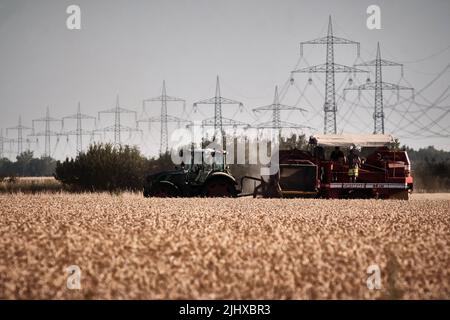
(26,165)
(104,167)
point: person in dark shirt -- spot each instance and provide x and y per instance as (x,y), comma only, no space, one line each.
(337,155)
(319,153)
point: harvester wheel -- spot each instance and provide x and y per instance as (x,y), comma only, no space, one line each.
(164,190)
(219,187)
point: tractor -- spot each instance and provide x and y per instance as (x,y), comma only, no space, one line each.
(384,173)
(205,175)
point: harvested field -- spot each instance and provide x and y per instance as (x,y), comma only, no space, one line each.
(130,247)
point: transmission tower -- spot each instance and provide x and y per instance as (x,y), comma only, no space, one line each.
(378,86)
(20,130)
(329,68)
(4,140)
(47,133)
(217,101)
(276,107)
(79,132)
(164,118)
(117,128)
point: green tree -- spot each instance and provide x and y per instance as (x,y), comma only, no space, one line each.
(104,167)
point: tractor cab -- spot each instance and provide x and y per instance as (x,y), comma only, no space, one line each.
(203,163)
(205,173)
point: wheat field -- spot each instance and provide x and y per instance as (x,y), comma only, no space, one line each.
(129,247)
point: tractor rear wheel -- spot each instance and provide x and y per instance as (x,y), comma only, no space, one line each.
(219,187)
(164,190)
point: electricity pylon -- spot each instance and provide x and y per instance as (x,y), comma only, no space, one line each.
(164,118)
(4,140)
(276,108)
(117,128)
(329,68)
(20,130)
(378,86)
(79,132)
(47,133)
(217,101)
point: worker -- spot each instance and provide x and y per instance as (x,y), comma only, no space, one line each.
(319,153)
(338,158)
(337,155)
(353,164)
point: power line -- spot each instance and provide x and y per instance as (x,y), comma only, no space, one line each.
(117,128)
(276,108)
(47,133)
(79,132)
(378,86)
(3,140)
(218,101)
(164,118)
(20,130)
(329,68)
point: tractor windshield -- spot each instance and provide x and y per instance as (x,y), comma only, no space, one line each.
(213,159)
(207,160)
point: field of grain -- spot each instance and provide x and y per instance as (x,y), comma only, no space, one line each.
(130,247)
(30,185)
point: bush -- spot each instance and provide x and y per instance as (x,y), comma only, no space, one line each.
(104,167)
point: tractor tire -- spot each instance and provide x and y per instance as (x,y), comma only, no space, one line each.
(219,187)
(164,190)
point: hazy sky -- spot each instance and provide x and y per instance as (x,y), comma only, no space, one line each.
(129,47)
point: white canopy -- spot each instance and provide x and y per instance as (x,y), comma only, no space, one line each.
(349,139)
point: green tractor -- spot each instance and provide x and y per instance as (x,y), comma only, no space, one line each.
(207,175)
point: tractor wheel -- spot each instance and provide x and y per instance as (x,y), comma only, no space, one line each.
(219,187)
(164,190)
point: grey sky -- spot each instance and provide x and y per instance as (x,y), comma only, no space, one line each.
(129,47)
